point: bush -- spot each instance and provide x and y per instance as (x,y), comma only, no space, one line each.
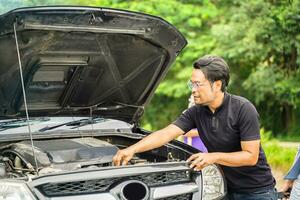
(278,157)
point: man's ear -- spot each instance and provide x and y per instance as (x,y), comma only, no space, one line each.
(218,85)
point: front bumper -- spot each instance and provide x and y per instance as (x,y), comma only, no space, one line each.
(165,181)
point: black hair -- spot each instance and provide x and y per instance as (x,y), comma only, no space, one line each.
(214,68)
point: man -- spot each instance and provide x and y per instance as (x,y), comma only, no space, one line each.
(229,128)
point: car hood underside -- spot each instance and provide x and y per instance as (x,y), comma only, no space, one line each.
(80,59)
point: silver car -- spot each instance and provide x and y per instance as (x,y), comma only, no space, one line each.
(74,82)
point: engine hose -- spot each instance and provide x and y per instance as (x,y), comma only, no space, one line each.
(28,164)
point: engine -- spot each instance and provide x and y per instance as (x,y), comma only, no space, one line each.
(56,155)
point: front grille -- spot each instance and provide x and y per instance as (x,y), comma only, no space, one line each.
(180,197)
(77,187)
(103,185)
(164,178)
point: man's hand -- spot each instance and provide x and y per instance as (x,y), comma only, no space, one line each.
(200,160)
(286,188)
(123,156)
(288,184)
(152,141)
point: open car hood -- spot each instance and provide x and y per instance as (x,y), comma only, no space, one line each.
(83,61)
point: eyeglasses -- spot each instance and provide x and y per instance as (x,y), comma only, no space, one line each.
(195,85)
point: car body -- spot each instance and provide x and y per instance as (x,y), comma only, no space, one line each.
(74,82)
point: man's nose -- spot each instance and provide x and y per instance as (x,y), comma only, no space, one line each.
(194,89)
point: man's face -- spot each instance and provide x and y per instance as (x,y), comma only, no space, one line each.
(203,91)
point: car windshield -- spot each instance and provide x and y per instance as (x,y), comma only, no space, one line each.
(61,124)
(70,122)
(15,123)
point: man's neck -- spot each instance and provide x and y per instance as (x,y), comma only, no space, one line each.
(217,102)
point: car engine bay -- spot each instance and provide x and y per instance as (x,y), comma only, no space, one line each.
(55,155)
(17,160)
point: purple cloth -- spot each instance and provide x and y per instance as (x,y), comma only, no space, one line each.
(197,143)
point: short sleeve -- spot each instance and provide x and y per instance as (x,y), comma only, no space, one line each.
(248,122)
(294,171)
(186,120)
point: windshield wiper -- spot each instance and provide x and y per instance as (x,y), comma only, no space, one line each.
(99,107)
(75,124)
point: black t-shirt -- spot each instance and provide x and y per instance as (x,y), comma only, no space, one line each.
(234,121)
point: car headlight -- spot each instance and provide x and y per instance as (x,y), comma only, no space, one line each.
(14,191)
(213,183)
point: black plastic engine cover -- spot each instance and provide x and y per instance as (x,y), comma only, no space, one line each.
(61,151)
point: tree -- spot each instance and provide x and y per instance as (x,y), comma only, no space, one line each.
(262,41)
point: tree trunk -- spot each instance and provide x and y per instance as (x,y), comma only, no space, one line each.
(288,119)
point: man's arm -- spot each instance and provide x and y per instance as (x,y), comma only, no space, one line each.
(192,133)
(247,157)
(152,141)
(189,135)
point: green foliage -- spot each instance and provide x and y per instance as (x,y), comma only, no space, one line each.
(278,157)
(289,138)
(260,39)
(7,5)
(271,83)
